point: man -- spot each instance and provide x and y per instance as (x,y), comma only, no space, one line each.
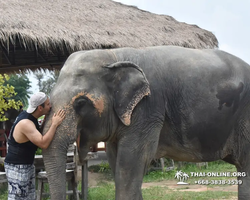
(24,138)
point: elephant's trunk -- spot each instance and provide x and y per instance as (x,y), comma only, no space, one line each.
(55,156)
(55,165)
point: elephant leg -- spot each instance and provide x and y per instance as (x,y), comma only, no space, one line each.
(133,158)
(111,155)
(244,175)
(243,189)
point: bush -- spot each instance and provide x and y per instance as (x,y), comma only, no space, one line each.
(104,167)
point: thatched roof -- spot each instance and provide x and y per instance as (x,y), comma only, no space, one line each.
(62,26)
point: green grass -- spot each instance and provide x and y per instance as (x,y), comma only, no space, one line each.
(162,193)
(104,191)
(3,192)
(159,193)
(107,192)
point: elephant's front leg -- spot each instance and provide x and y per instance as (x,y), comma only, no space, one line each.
(244,176)
(243,188)
(133,158)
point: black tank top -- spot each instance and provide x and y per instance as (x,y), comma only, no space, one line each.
(21,153)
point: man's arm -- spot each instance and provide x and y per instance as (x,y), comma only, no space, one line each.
(27,129)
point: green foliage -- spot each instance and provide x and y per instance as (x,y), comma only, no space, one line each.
(39,151)
(221,165)
(22,84)
(7,93)
(94,168)
(104,167)
(159,176)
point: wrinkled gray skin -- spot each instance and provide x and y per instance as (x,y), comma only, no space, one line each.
(185,104)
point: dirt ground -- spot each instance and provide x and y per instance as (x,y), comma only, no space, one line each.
(94,178)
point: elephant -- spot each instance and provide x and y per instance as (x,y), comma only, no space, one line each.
(145,103)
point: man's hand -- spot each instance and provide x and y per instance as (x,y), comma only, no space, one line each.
(58,117)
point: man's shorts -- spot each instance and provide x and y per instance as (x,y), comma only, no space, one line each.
(21,181)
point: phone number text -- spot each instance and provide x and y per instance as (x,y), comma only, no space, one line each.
(219,182)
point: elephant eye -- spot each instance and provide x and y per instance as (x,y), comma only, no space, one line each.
(80,102)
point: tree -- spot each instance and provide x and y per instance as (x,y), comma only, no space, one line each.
(39,76)
(22,84)
(6,97)
(46,85)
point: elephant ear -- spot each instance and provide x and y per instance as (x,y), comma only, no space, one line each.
(129,85)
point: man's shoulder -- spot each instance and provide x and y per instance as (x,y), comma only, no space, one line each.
(26,127)
(26,123)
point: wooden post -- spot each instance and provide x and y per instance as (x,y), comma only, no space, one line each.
(85,180)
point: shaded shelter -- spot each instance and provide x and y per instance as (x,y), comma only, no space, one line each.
(42,34)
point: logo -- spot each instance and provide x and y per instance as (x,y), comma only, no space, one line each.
(181,176)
